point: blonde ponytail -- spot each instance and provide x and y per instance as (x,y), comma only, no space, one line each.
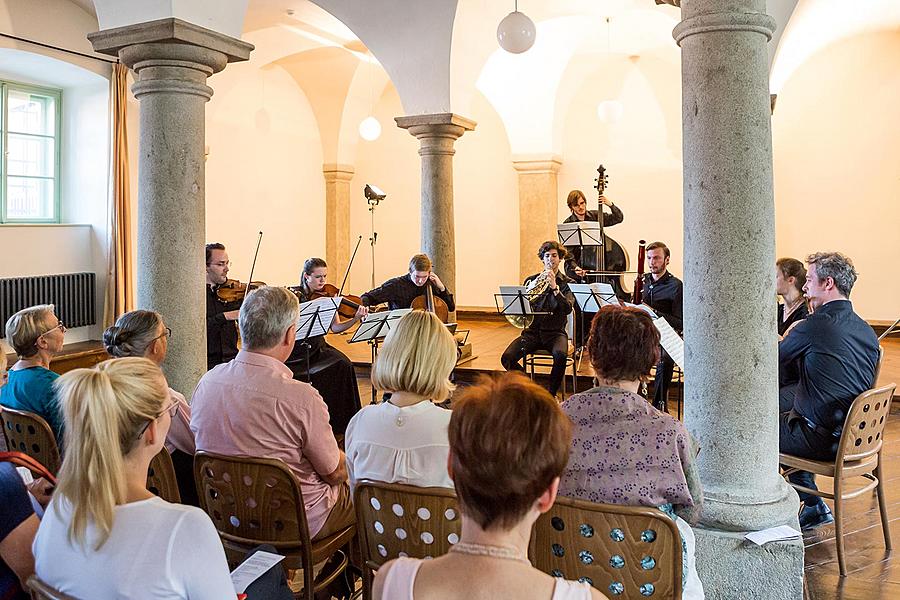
(103,409)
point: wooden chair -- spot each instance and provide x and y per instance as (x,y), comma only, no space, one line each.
(402,520)
(858,455)
(878,365)
(29,433)
(542,358)
(623,551)
(41,591)
(254,501)
(161,479)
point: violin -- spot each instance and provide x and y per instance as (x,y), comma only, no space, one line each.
(431,303)
(349,303)
(235,291)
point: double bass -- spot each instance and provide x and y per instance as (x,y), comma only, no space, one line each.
(611,257)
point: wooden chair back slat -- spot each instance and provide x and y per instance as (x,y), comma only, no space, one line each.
(29,433)
(863,432)
(623,551)
(402,520)
(161,479)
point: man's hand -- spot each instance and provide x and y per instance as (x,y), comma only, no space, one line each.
(231,315)
(41,489)
(362,312)
(433,278)
(580,272)
(605,201)
(551,280)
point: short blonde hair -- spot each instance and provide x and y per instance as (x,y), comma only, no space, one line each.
(419,262)
(418,356)
(104,410)
(25,327)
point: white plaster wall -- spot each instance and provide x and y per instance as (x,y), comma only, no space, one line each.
(837,164)
(263,172)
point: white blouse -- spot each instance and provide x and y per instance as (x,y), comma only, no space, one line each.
(399,445)
(156,551)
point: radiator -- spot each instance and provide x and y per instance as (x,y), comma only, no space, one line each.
(71,293)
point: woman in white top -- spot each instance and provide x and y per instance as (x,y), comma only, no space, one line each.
(104,535)
(404,440)
(503,482)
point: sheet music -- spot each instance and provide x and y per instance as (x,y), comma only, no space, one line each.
(591,296)
(644,308)
(327,309)
(513,303)
(252,569)
(377,324)
(670,340)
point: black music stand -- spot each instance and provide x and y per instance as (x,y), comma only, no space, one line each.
(583,234)
(315,319)
(515,303)
(374,328)
(590,297)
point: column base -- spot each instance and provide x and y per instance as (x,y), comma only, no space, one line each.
(730,569)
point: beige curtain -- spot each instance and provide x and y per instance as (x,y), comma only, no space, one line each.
(119,286)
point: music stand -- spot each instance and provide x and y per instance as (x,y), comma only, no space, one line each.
(315,319)
(580,233)
(590,298)
(375,327)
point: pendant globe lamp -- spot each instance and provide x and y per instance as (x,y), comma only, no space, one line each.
(516,32)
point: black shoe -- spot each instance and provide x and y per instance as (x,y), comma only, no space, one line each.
(815,516)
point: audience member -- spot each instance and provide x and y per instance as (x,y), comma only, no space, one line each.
(104,535)
(790,277)
(143,333)
(252,406)
(508,447)
(833,353)
(404,439)
(36,334)
(625,451)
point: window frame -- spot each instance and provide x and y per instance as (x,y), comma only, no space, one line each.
(56,94)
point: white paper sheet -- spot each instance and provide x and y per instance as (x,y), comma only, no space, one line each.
(670,340)
(251,569)
(773,534)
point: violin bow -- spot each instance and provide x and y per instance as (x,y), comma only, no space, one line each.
(350,264)
(253,266)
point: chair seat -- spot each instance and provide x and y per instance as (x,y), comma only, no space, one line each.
(851,467)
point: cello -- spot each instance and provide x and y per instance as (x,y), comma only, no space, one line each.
(431,303)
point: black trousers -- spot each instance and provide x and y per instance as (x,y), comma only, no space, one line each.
(664,369)
(554,342)
(271,585)
(796,437)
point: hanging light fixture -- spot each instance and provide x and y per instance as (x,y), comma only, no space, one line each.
(609,111)
(516,32)
(370,128)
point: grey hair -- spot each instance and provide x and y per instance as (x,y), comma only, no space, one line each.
(837,266)
(265,315)
(132,334)
(25,327)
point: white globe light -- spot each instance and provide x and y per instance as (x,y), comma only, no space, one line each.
(516,33)
(370,129)
(610,111)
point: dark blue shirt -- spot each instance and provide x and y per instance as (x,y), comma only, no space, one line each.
(666,297)
(15,508)
(32,390)
(833,353)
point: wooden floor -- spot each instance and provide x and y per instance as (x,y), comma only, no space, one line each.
(874,574)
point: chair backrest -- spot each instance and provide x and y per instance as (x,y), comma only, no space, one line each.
(627,551)
(863,432)
(251,501)
(29,433)
(403,520)
(41,591)
(161,477)
(878,365)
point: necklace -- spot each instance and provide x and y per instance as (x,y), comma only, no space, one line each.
(504,552)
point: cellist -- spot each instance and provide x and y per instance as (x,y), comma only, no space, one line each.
(330,370)
(399,292)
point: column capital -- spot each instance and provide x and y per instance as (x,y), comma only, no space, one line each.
(337,172)
(537,163)
(448,126)
(725,21)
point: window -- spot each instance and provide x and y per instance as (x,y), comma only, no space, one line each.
(29,190)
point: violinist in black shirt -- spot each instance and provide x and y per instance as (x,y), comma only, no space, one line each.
(663,292)
(221,317)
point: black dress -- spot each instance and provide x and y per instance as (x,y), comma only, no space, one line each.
(331,373)
(800,313)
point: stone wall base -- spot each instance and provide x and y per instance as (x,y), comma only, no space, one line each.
(729,569)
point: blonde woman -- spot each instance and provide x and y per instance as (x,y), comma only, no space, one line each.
(104,535)
(404,440)
(36,334)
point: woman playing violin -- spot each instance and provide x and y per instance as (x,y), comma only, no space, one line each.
(221,317)
(330,371)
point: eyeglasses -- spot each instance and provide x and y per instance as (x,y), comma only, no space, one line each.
(60,326)
(167,334)
(172,409)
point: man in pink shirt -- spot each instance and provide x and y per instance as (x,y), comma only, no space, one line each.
(252,406)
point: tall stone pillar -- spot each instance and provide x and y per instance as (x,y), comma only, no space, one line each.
(171,60)
(337,219)
(436,134)
(729,317)
(538,197)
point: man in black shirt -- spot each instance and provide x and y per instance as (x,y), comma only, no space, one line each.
(579,258)
(221,329)
(663,292)
(833,354)
(400,291)
(546,331)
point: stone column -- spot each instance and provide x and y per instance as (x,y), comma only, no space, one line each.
(729,313)
(436,134)
(171,60)
(337,219)
(538,197)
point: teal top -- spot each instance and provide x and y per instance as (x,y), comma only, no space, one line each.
(32,390)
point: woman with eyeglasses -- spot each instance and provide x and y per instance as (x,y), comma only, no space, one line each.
(37,335)
(143,333)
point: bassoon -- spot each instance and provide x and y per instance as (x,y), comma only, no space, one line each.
(639,280)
